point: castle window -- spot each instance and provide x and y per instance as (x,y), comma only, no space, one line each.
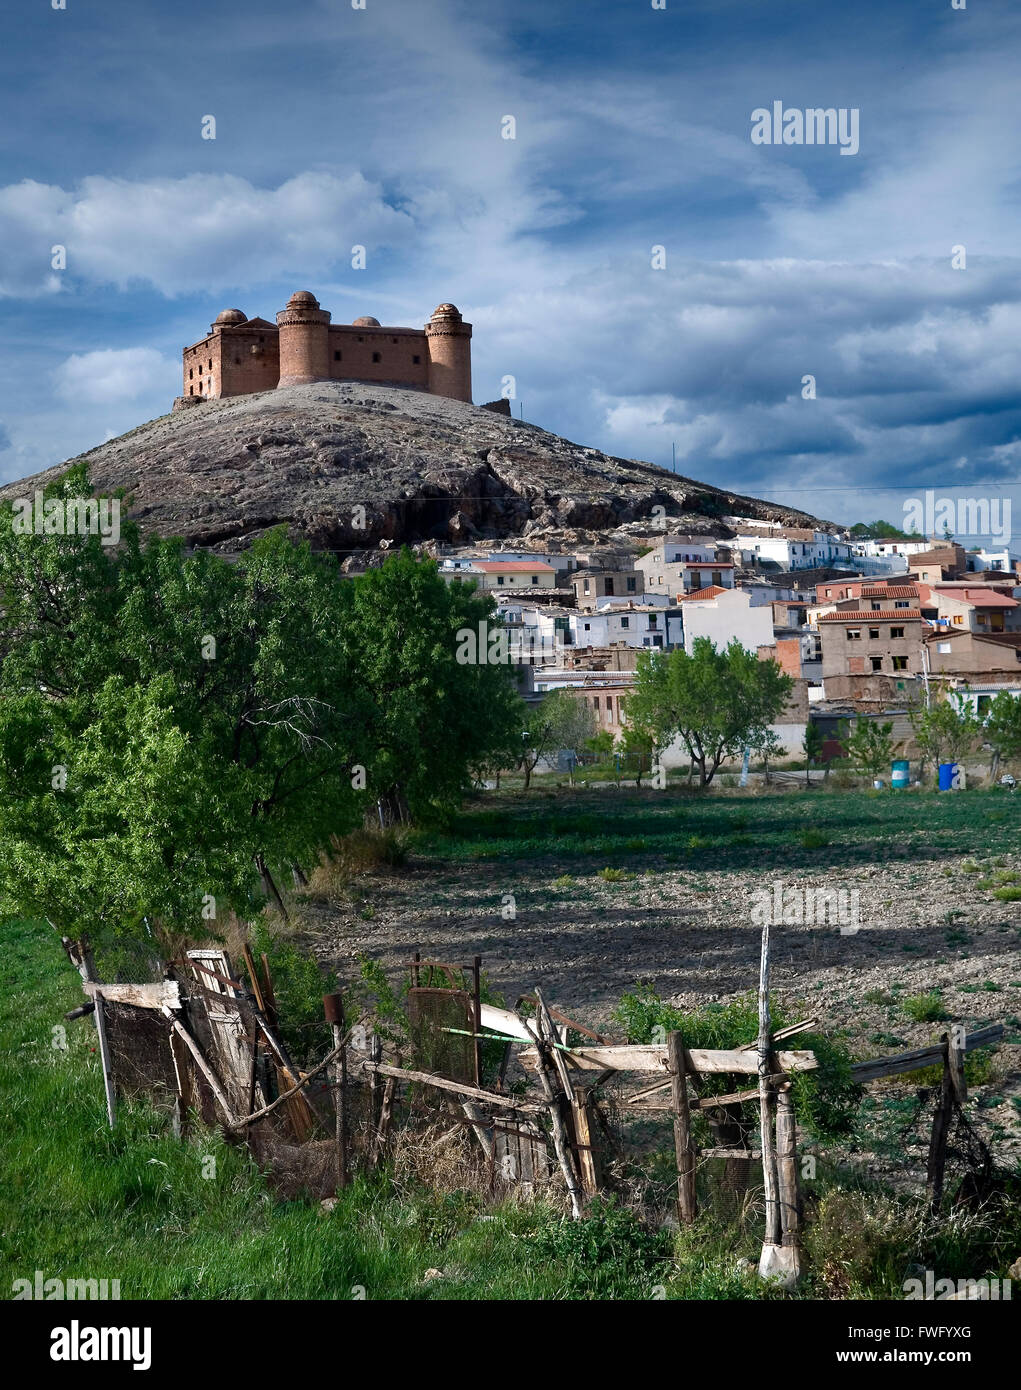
(376,357)
(191,390)
(393,340)
(336,356)
(360,338)
(237,361)
(417,360)
(191,374)
(210,364)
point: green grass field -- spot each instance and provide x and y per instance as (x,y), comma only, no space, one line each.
(196,1220)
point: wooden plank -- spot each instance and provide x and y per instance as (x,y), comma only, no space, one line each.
(684,1149)
(503,1021)
(584,1140)
(877,1068)
(700,1102)
(202,1065)
(146,996)
(731,1153)
(459,1088)
(556,1118)
(788,1032)
(787,1167)
(764,1058)
(955,1061)
(652,1057)
(936,1167)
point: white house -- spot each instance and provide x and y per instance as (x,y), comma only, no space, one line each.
(724,615)
(795,548)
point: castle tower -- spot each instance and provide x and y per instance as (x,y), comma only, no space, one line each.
(304,341)
(448,339)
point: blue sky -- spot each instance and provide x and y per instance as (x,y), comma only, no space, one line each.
(382,127)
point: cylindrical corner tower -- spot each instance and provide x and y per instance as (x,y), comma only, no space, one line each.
(304,341)
(450,359)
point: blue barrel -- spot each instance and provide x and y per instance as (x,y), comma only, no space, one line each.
(946,776)
(900,774)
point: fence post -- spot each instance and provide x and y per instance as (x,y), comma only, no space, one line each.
(684,1149)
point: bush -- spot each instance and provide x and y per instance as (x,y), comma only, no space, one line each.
(609,1254)
(825,1099)
(925,1008)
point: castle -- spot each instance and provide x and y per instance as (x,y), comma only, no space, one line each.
(240,355)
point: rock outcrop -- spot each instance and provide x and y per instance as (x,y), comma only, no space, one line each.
(353,468)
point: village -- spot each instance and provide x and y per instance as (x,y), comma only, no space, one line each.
(865,628)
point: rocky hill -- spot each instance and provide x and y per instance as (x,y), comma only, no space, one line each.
(351,467)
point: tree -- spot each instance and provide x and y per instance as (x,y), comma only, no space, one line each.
(1003,730)
(870,746)
(560,720)
(716,702)
(768,746)
(812,745)
(442,697)
(946,730)
(639,745)
(171,722)
(878,530)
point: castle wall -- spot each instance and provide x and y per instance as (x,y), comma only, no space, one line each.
(239,357)
(250,360)
(403,356)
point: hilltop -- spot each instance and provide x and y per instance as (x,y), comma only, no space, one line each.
(424,469)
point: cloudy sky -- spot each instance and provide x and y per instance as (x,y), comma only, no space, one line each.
(383,127)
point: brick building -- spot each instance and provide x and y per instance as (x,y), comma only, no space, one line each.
(859,644)
(240,355)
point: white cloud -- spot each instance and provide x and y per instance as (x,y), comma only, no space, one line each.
(113,375)
(203,231)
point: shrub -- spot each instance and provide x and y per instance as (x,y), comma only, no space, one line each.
(608,1254)
(825,1099)
(299,984)
(926,1007)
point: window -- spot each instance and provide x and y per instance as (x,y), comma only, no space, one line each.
(534,578)
(943,647)
(191,373)
(586,627)
(631,586)
(959,620)
(337,356)
(895,633)
(900,663)
(696,579)
(586,588)
(417,360)
(609,588)
(718,578)
(902,603)
(854,634)
(653,620)
(499,579)
(210,364)
(376,357)
(877,663)
(876,605)
(829,593)
(625,623)
(393,340)
(873,634)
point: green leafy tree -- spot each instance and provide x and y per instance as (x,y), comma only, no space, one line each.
(946,730)
(440,707)
(638,745)
(1003,730)
(170,723)
(812,744)
(560,720)
(717,702)
(870,747)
